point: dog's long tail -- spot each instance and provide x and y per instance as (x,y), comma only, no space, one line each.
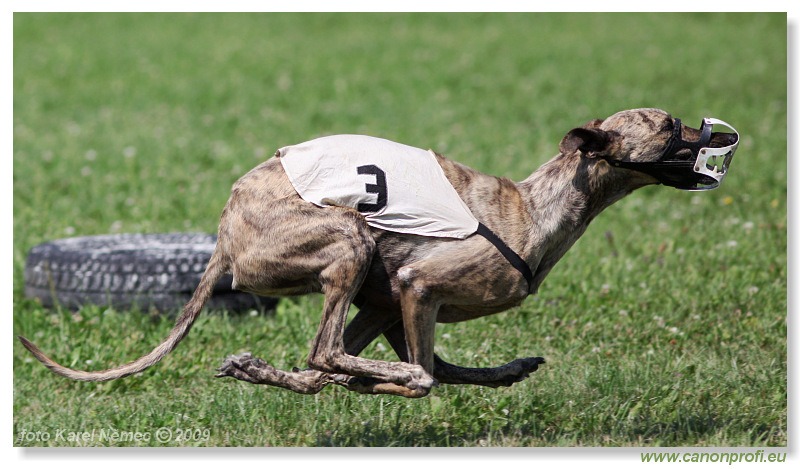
(214,271)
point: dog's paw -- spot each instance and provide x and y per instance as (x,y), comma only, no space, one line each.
(420,379)
(425,383)
(522,369)
(531,363)
(412,376)
(245,367)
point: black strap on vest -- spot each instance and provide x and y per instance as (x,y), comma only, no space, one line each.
(511,256)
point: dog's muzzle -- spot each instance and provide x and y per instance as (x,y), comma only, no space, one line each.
(704,170)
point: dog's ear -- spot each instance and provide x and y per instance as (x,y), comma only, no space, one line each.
(590,140)
(593,124)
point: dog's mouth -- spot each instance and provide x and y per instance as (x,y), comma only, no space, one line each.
(697,164)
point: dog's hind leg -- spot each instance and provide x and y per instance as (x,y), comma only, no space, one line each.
(327,250)
(341,281)
(504,375)
(360,332)
(254,370)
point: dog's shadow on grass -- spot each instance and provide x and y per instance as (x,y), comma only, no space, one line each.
(398,437)
(704,431)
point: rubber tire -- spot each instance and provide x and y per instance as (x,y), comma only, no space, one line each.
(130,271)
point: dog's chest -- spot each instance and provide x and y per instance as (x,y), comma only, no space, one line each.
(396,187)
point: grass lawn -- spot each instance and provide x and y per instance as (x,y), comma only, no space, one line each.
(665,325)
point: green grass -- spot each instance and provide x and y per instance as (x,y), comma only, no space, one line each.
(672,335)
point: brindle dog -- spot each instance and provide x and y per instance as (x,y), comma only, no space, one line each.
(275,243)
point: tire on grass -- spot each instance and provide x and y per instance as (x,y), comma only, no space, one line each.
(130,271)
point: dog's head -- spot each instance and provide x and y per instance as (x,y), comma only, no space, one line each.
(652,147)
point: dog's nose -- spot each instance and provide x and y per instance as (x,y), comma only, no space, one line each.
(722,139)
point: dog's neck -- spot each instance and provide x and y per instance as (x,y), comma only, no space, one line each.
(563,197)
(567,192)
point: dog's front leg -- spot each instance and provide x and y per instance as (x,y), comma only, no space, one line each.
(419,307)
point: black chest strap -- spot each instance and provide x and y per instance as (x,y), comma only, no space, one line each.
(511,256)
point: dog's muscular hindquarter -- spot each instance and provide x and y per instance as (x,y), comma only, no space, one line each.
(276,243)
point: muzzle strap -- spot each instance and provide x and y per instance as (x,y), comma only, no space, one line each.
(512,257)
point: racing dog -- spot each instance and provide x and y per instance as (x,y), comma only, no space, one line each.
(276,238)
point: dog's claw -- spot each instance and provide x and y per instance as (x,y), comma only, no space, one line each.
(235,365)
(341,379)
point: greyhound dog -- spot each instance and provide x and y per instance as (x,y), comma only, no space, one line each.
(276,243)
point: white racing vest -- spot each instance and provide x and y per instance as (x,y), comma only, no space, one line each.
(396,187)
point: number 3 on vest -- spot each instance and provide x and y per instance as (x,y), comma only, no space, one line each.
(379,188)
